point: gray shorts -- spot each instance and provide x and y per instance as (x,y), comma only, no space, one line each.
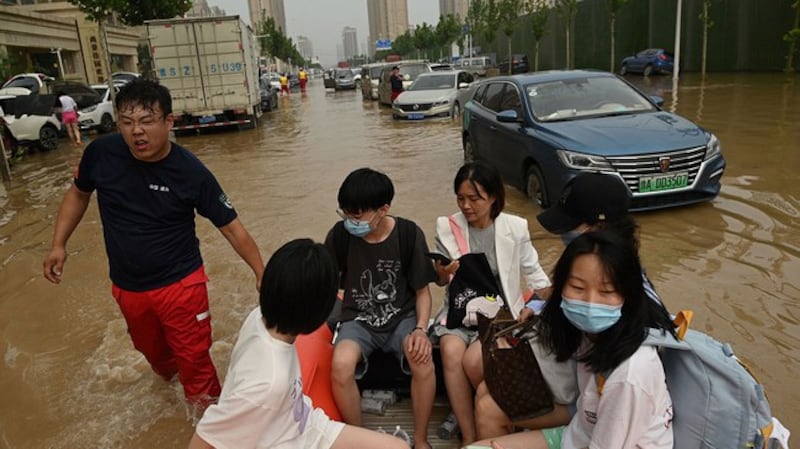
(369,340)
(465,334)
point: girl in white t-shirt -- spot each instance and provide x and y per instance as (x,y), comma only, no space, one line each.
(69,117)
(262,404)
(599,313)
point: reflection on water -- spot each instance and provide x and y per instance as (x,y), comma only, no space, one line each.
(71,378)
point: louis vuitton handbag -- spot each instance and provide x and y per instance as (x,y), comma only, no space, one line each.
(511,371)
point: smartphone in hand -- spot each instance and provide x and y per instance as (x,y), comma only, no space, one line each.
(444,260)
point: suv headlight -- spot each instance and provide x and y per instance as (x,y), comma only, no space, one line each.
(89,109)
(581,161)
(441,102)
(713,147)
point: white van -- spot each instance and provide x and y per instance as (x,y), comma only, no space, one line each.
(476,65)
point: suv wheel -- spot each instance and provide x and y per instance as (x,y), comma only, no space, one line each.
(106,123)
(648,70)
(48,138)
(469,150)
(624,69)
(534,186)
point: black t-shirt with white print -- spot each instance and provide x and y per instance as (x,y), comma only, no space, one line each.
(377,291)
(148,211)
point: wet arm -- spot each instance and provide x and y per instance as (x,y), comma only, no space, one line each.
(245,247)
(70,213)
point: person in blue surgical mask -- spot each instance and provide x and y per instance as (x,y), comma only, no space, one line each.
(600,314)
(384,274)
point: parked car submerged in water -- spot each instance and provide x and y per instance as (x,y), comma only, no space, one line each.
(542,129)
(30,121)
(648,62)
(434,94)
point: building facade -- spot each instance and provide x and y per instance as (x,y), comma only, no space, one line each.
(387,20)
(305,47)
(261,9)
(457,8)
(349,43)
(200,8)
(55,38)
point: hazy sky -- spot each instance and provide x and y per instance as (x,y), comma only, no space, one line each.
(322,21)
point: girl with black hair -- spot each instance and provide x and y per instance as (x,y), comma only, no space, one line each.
(262,404)
(600,314)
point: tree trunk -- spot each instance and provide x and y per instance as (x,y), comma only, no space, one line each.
(536,57)
(112,95)
(510,57)
(613,39)
(793,42)
(705,39)
(568,49)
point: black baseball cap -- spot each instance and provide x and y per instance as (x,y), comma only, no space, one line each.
(587,198)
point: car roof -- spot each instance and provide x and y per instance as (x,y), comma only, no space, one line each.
(552,75)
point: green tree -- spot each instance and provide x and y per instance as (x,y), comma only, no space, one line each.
(424,38)
(613,8)
(447,31)
(484,17)
(705,19)
(792,36)
(403,44)
(539,13)
(507,13)
(567,10)
(277,45)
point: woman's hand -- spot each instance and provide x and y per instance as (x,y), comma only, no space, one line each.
(445,272)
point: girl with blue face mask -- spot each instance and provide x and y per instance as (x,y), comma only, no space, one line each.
(599,314)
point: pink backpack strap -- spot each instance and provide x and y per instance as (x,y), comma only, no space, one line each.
(463,246)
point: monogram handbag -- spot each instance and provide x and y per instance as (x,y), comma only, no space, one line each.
(511,371)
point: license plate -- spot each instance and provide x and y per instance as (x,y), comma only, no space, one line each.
(208,119)
(663,182)
(416,116)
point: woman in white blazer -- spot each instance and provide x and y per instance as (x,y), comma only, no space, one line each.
(481,227)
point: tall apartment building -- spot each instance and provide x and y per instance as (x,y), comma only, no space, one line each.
(261,9)
(305,48)
(387,20)
(349,42)
(200,8)
(457,8)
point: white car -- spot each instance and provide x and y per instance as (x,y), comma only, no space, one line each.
(433,94)
(99,116)
(26,84)
(30,120)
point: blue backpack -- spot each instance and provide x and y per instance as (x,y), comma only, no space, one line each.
(716,401)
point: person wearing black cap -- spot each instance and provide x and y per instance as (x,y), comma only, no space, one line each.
(397,82)
(593,202)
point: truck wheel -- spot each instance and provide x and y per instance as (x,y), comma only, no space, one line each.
(48,138)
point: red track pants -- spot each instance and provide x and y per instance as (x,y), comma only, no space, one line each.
(171,326)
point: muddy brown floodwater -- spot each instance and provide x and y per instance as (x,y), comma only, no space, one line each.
(70,377)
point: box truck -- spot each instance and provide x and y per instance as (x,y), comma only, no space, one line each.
(210,66)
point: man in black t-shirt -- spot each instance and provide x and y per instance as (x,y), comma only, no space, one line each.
(387,302)
(148,190)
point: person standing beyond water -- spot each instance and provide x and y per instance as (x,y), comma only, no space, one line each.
(148,192)
(396,81)
(284,79)
(303,77)
(69,117)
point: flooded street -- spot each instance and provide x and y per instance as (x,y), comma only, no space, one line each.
(71,378)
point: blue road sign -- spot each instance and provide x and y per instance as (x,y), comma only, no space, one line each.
(383,44)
